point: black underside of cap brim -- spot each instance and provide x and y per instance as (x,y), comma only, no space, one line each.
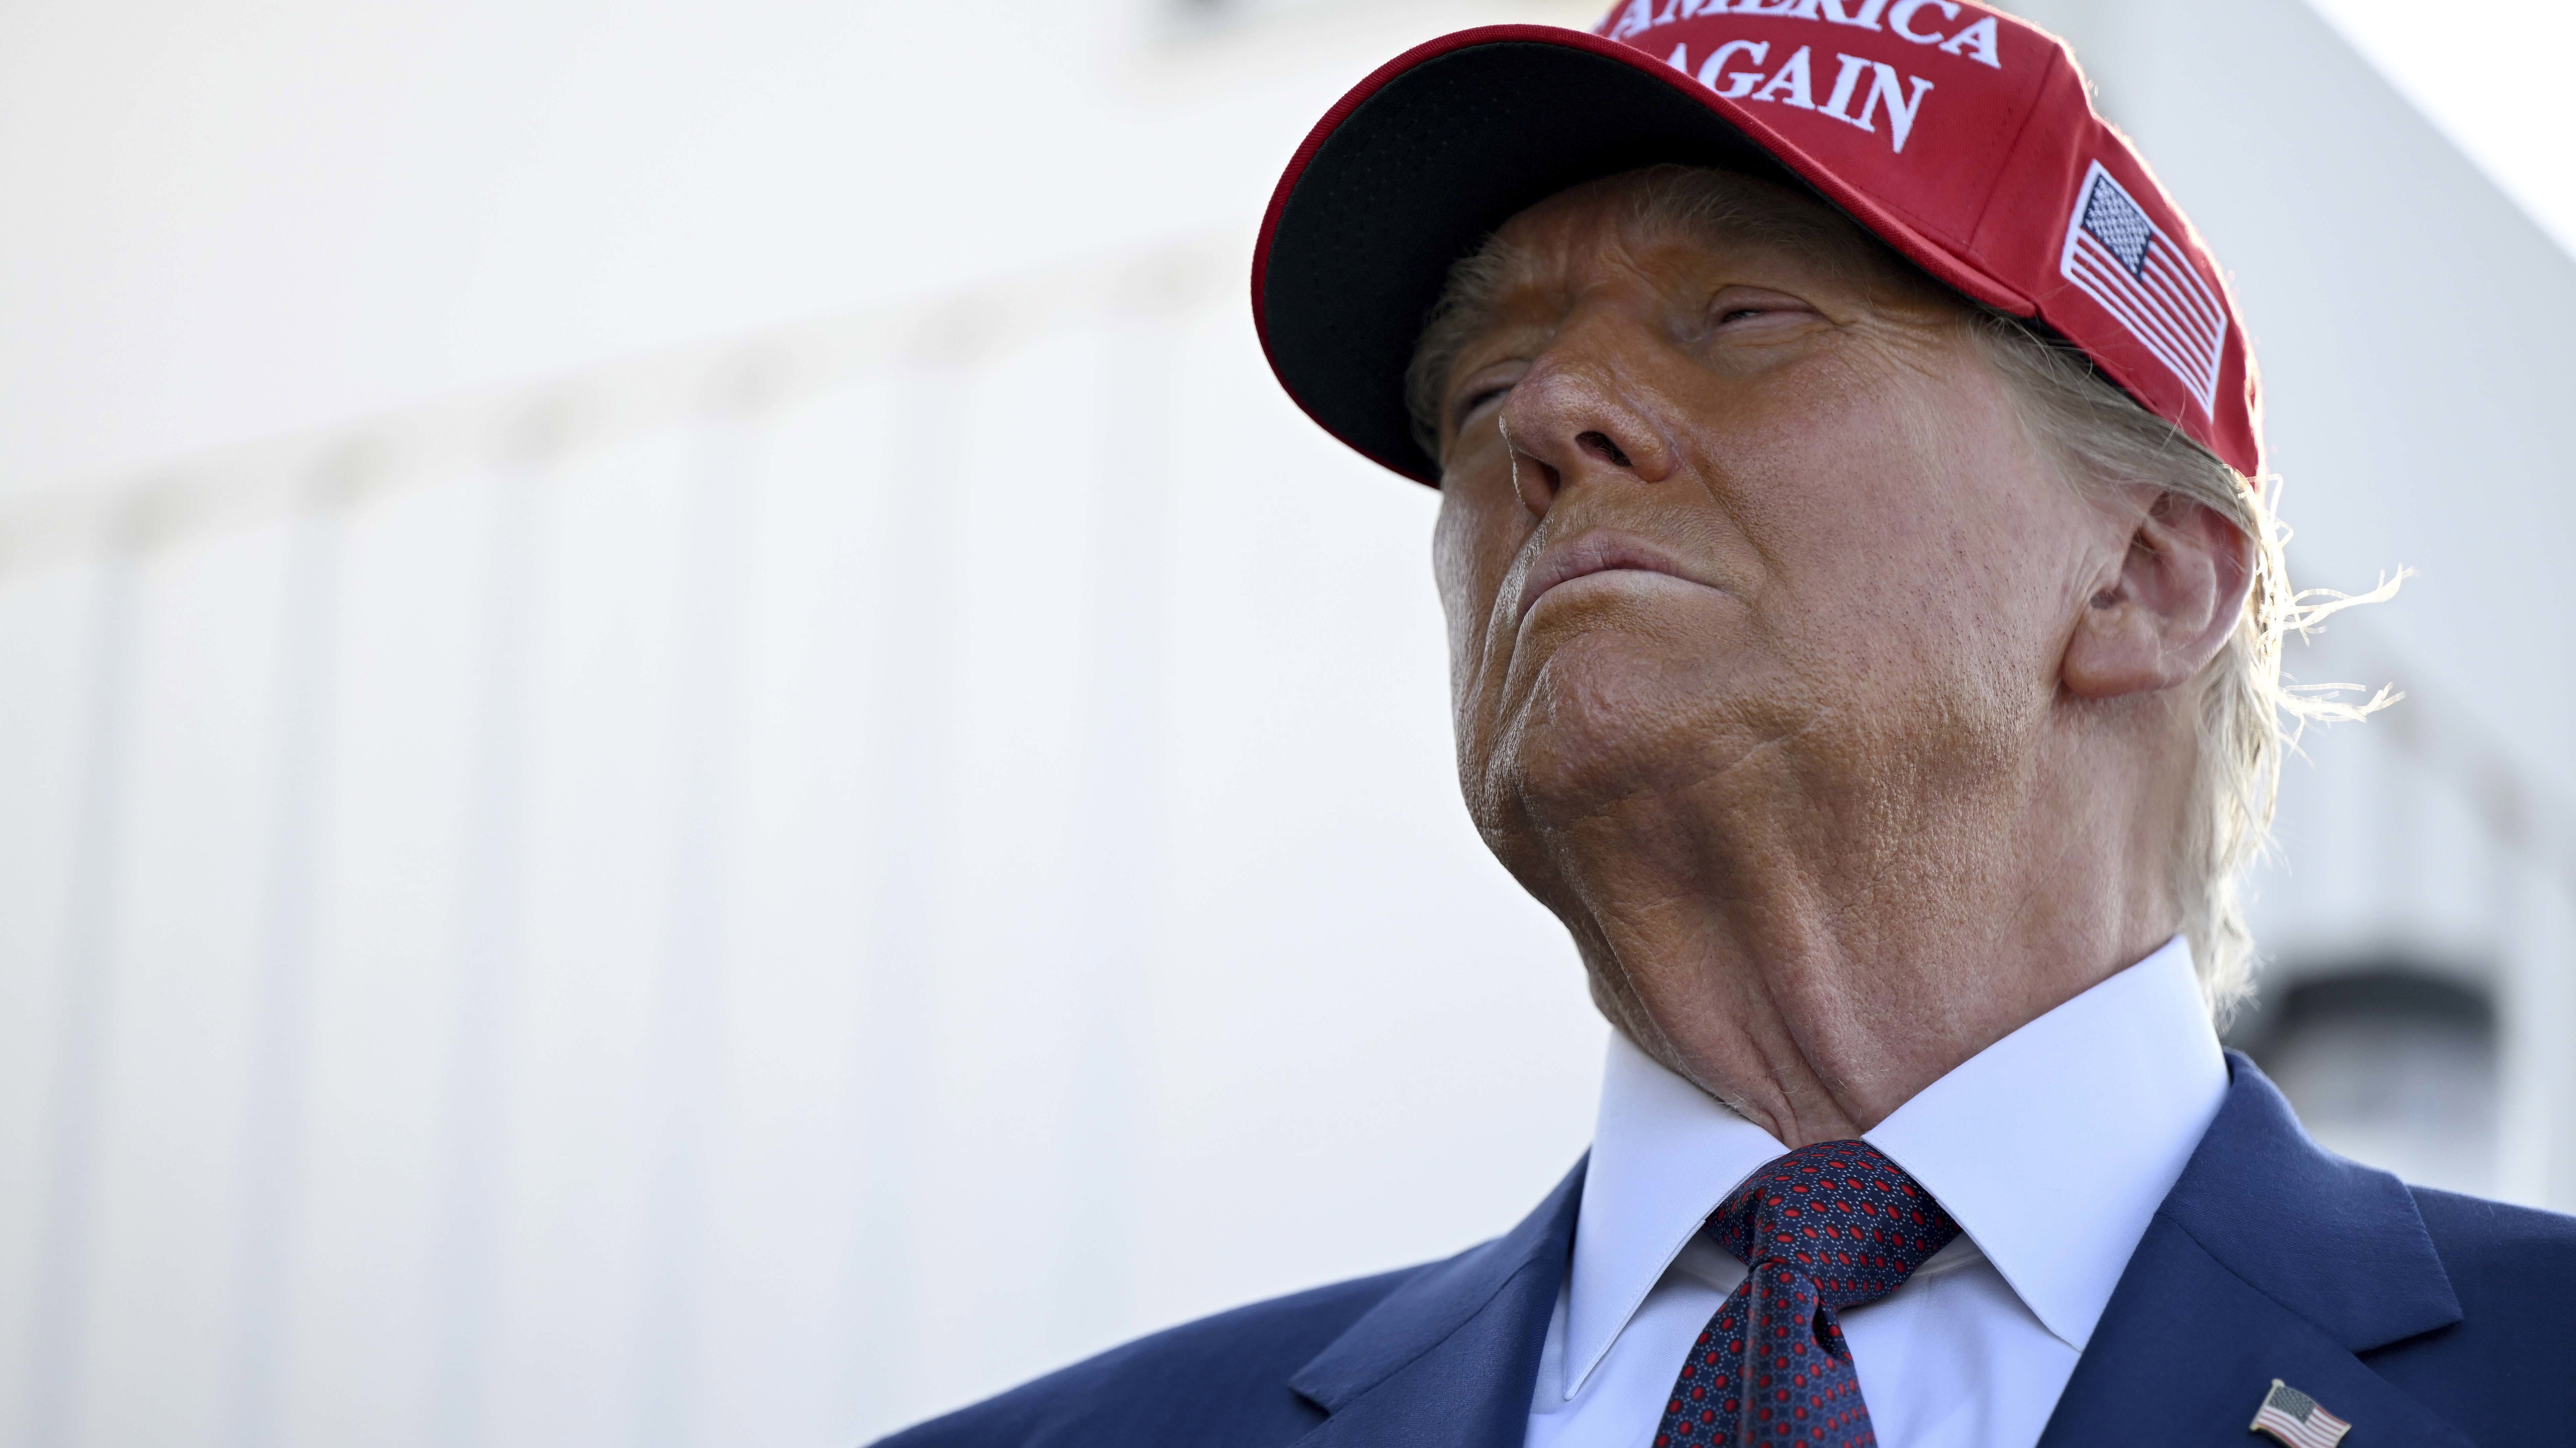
(1417,177)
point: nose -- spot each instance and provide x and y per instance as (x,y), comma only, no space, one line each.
(1569,422)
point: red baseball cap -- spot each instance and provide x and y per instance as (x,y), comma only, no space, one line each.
(1958,135)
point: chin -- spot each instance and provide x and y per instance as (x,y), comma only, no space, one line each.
(1608,715)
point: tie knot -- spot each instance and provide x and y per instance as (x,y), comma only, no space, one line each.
(1839,1213)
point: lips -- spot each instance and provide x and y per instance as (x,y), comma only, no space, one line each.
(1590,553)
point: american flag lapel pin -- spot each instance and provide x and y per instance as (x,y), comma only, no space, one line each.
(2297,1419)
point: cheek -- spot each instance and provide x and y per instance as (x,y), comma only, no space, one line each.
(1471,551)
(1453,573)
(1450,555)
(1912,535)
(1462,599)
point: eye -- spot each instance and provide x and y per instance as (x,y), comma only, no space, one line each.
(1755,318)
(1734,312)
(1476,400)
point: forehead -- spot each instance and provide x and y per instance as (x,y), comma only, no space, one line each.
(1670,216)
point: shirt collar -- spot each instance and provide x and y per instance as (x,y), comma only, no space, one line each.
(2052,1147)
(1664,1154)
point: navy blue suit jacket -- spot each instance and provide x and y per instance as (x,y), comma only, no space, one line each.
(2423,1318)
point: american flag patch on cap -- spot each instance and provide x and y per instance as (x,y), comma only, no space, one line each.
(2294,1418)
(2117,255)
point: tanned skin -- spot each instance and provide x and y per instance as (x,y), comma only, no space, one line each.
(1844,732)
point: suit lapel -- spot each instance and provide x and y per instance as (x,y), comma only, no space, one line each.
(1449,1358)
(2269,1259)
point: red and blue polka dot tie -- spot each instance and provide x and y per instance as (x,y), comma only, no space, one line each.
(1826,1228)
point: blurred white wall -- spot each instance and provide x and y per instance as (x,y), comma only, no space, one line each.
(755,929)
(753,891)
(233,218)
(2492,89)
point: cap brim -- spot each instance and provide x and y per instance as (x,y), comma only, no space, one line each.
(1424,159)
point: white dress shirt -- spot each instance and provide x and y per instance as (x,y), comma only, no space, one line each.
(2052,1148)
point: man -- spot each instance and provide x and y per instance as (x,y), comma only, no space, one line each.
(1864,636)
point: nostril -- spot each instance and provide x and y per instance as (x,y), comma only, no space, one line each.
(1600,446)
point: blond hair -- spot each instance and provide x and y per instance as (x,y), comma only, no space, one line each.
(2250,717)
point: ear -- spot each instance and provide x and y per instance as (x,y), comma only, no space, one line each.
(2168,608)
